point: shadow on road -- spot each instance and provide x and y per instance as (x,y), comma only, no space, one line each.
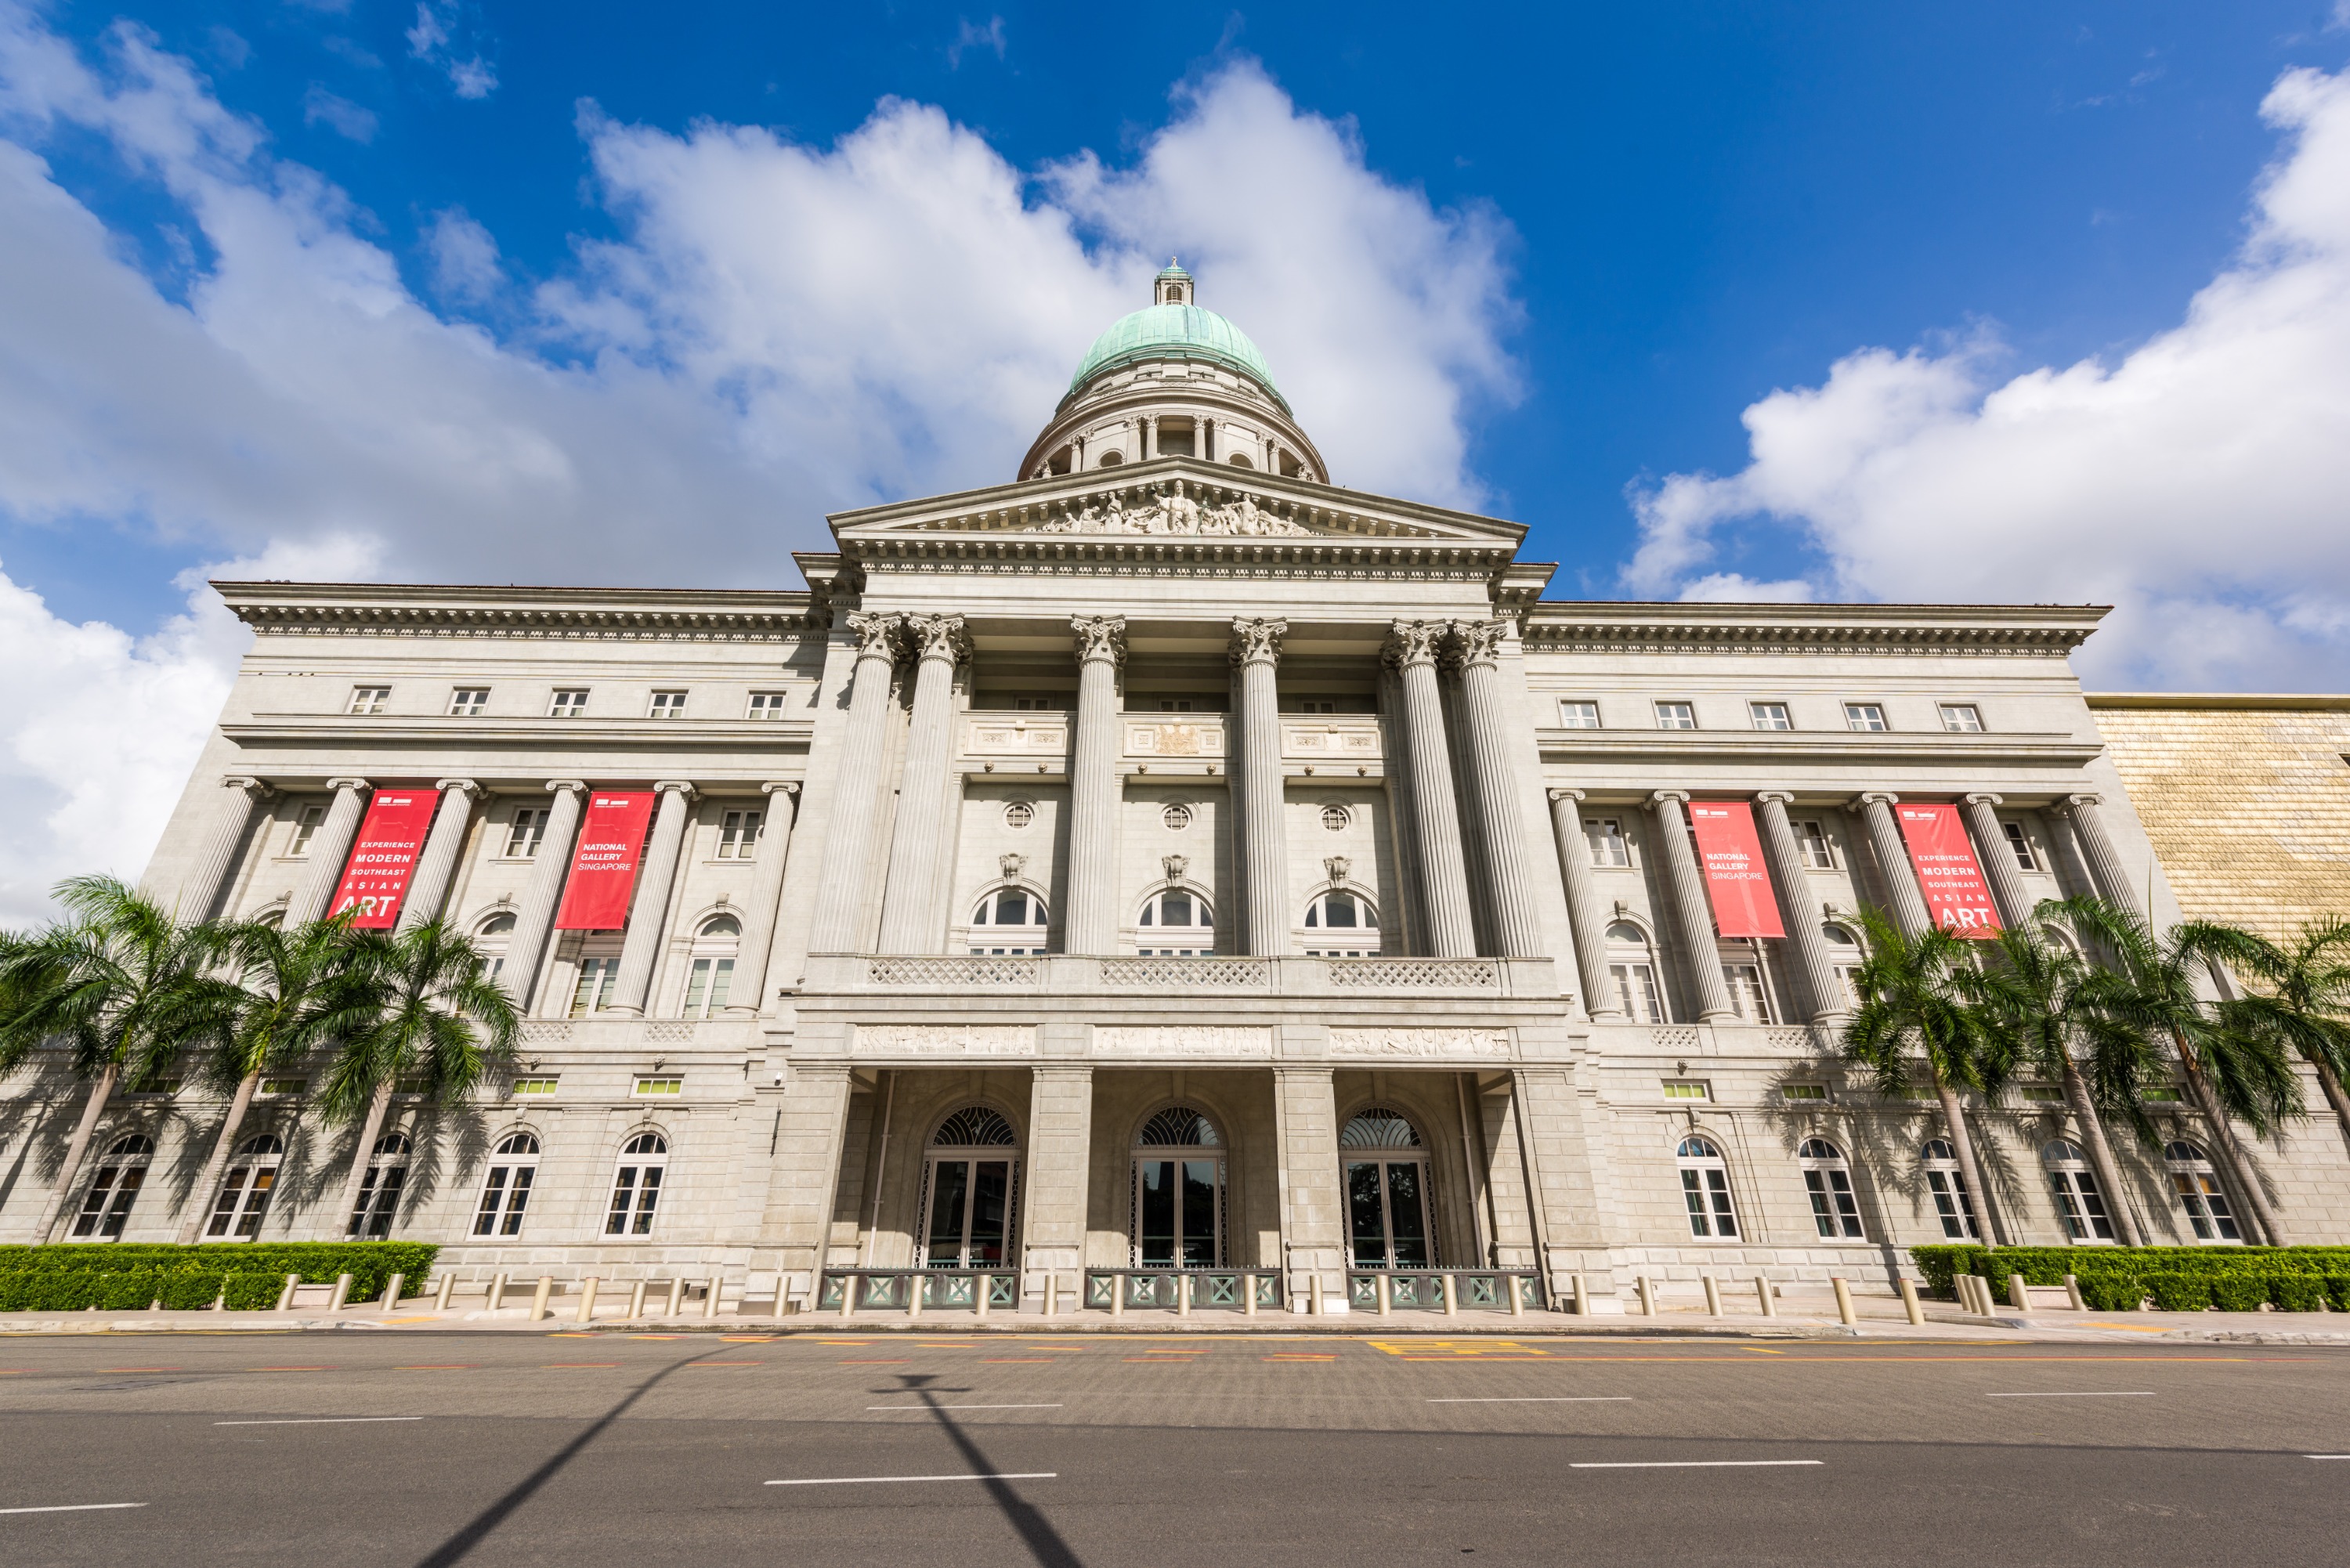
(1036,1532)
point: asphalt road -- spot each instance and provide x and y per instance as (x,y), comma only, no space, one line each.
(488,1449)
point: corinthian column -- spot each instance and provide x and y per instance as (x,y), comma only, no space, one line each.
(1893,862)
(329,847)
(1693,915)
(648,913)
(848,847)
(200,889)
(535,919)
(1516,927)
(910,920)
(767,893)
(1090,922)
(1584,914)
(1265,880)
(1786,862)
(436,867)
(1998,859)
(1444,892)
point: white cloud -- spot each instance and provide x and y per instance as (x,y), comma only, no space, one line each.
(464,257)
(2197,483)
(970,35)
(434,40)
(340,114)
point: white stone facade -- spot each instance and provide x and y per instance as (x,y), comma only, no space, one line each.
(1177,686)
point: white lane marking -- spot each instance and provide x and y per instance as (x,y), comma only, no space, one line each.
(965,1407)
(1543,1399)
(316,1420)
(871,1480)
(2081,1394)
(1695,1464)
(2326,1456)
(73,1508)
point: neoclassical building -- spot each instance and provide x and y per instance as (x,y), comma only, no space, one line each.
(1167,860)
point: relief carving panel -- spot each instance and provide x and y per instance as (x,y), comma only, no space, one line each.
(945,1040)
(1187,1040)
(1479,1045)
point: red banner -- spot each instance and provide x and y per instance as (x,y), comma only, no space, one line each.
(604,866)
(1733,857)
(1948,872)
(376,877)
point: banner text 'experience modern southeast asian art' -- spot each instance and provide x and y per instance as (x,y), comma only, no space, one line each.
(604,866)
(1734,877)
(1957,898)
(383,859)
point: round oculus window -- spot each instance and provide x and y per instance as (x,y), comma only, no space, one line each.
(1336,818)
(1177,816)
(1019,813)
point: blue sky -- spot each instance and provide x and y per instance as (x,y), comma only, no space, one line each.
(2013,301)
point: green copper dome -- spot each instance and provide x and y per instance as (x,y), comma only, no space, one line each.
(1175,332)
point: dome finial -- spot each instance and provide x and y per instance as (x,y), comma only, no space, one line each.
(1173,285)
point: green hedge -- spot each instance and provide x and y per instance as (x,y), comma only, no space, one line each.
(126,1277)
(2175,1279)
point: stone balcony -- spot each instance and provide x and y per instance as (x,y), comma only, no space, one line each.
(1069,975)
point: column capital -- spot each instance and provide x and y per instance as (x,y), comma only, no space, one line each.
(345,784)
(1984,798)
(1876,797)
(938,636)
(1412,643)
(469,788)
(785,789)
(567,786)
(1479,643)
(681,786)
(1784,797)
(1099,637)
(1257,641)
(876,634)
(255,789)
(2072,802)
(1678,796)
(1567,794)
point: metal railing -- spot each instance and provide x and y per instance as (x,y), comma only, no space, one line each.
(1182,1291)
(1446,1291)
(913,1292)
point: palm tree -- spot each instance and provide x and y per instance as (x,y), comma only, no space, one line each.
(124,986)
(2049,1008)
(2233,1073)
(297,991)
(436,1017)
(2300,998)
(1911,1001)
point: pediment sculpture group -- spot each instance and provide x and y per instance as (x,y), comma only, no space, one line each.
(1176,513)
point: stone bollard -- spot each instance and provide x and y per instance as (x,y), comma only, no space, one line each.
(587,1312)
(1052,1292)
(448,1286)
(1182,1295)
(1763,1295)
(982,1286)
(391,1292)
(637,1301)
(285,1296)
(1385,1292)
(538,1297)
(1582,1296)
(676,1296)
(1712,1296)
(1248,1295)
(2016,1295)
(1516,1287)
(1451,1296)
(2073,1293)
(716,1298)
(1911,1307)
(1117,1297)
(497,1292)
(1844,1314)
(914,1295)
(1648,1295)
(342,1292)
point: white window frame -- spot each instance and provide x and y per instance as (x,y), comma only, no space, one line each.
(666,704)
(122,1175)
(1671,714)
(1749,987)
(1868,718)
(504,1195)
(306,828)
(1315,928)
(1632,969)
(739,831)
(1611,846)
(525,831)
(1813,845)
(2019,844)
(2082,1205)
(1196,940)
(985,937)
(369,699)
(592,984)
(1705,1189)
(1960,718)
(1827,1182)
(380,1188)
(1578,713)
(1336,818)
(468,701)
(637,1185)
(1772,716)
(568,703)
(709,967)
(2195,1182)
(766,705)
(1946,1184)
(241,1203)
(1019,815)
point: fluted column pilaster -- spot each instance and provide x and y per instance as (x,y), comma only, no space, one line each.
(1586,917)
(909,916)
(329,847)
(2105,865)
(1517,926)
(766,895)
(856,803)
(1691,913)
(1089,924)
(1265,869)
(1893,862)
(1785,859)
(200,889)
(649,911)
(1411,649)
(1998,858)
(436,867)
(543,895)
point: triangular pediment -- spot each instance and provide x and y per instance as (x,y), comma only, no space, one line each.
(1174,498)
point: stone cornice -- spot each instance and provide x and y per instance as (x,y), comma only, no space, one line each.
(2014,630)
(669,615)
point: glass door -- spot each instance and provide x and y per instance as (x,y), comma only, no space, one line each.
(1179,1207)
(970,1207)
(1388,1213)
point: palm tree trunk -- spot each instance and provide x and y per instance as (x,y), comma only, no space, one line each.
(340,1220)
(2231,1154)
(52,1207)
(209,1183)
(1962,1139)
(2334,1096)
(2101,1154)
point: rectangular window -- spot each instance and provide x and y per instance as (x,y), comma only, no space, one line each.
(635,1190)
(108,1203)
(1812,840)
(567,703)
(661,1086)
(594,991)
(1848,982)
(1317,705)
(1609,845)
(1676,716)
(1834,1210)
(2165,1093)
(668,705)
(707,985)
(535,1085)
(738,834)
(162,1088)
(1863,716)
(526,833)
(1579,715)
(1036,704)
(468,700)
(2042,1094)
(766,705)
(306,828)
(284,1085)
(1635,992)
(1746,993)
(1174,704)
(2021,845)
(1770,715)
(1962,718)
(368,698)
(1687,1089)
(1802,1091)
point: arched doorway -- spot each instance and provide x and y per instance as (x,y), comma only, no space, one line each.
(1387,1191)
(1179,1193)
(969,1180)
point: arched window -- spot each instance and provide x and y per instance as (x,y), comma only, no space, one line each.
(1953,1204)
(1633,969)
(1705,1188)
(2078,1200)
(491,938)
(2200,1193)
(1008,920)
(710,980)
(1345,924)
(1176,923)
(1844,959)
(120,1174)
(243,1195)
(1828,1181)
(1179,1193)
(505,1190)
(1386,1170)
(1110,460)
(969,1190)
(636,1185)
(387,1173)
